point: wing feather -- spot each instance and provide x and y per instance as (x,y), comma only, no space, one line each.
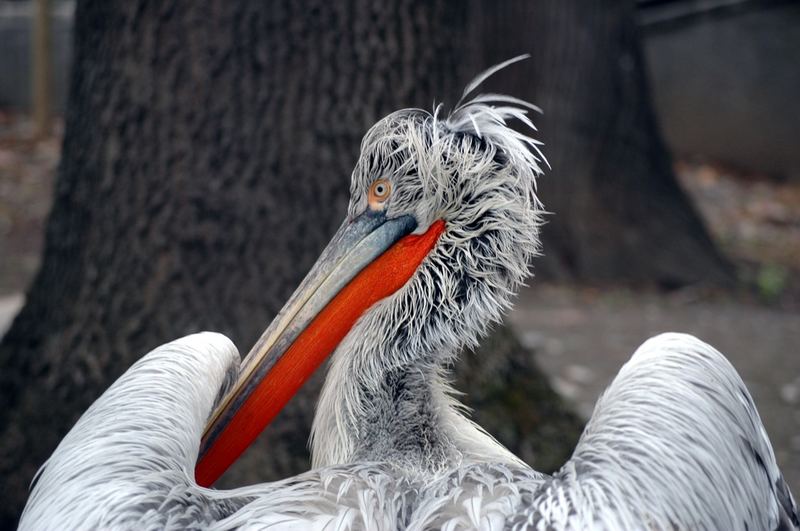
(675,442)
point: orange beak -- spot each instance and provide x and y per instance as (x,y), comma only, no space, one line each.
(367,260)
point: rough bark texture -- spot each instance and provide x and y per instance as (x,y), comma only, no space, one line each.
(618,212)
(206,161)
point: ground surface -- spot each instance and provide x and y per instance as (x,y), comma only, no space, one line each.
(582,336)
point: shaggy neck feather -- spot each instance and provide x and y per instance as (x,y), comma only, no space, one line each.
(372,411)
(402,413)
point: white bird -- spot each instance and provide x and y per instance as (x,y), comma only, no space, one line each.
(442,224)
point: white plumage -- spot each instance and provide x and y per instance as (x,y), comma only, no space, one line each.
(674,443)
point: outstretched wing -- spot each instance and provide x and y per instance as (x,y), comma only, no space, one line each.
(674,443)
(128,460)
(128,463)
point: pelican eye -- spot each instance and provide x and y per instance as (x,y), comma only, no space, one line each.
(379,192)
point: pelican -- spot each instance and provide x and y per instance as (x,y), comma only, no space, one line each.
(442,224)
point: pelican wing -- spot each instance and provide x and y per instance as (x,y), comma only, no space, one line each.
(129,461)
(674,443)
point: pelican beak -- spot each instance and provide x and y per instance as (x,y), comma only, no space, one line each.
(368,259)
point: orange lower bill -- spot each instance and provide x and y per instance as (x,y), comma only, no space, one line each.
(381,278)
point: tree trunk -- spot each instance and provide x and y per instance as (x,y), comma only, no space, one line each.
(618,211)
(206,161)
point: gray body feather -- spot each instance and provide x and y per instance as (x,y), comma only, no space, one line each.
(674,443)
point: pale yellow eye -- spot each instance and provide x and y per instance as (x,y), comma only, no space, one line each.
(379,192)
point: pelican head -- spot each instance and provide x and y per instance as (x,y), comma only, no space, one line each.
(477,176)
(442,223)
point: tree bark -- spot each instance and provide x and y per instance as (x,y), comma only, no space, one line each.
(206,161)
(618,211)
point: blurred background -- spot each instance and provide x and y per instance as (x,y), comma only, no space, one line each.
(175,167)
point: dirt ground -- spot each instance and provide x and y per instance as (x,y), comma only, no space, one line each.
(581,336)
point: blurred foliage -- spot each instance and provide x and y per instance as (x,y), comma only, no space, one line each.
(771,281)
